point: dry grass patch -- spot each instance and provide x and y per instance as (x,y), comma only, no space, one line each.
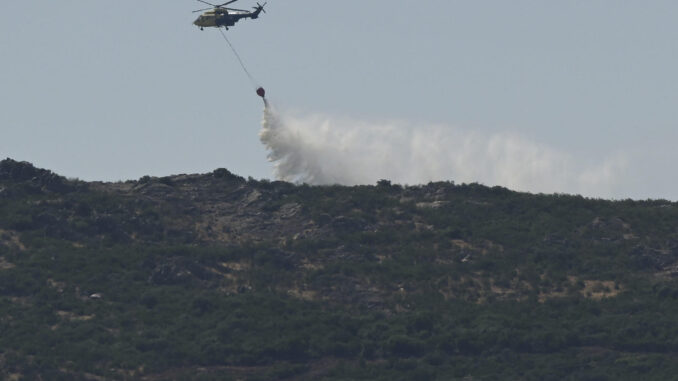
(11,239)
(4,265)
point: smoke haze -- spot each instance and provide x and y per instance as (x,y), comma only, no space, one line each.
(320,149)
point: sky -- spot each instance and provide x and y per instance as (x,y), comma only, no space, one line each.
(118,90)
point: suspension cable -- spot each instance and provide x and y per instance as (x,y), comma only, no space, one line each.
(252,80)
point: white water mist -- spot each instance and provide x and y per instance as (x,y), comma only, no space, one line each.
(319,149)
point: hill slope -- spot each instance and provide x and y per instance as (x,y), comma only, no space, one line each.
(217,277)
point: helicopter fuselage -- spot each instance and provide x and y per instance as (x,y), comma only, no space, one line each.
(217,18)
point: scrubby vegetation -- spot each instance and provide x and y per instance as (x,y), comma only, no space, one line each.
(214,277)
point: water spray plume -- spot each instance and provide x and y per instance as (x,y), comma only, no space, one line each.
(319,149)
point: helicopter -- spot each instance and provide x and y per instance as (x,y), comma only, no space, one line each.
(220,15)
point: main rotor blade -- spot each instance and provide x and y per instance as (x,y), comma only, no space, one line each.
(204,2)
(226,3)
(202,10)
(235,9)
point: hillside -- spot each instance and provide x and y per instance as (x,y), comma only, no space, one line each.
(217,277)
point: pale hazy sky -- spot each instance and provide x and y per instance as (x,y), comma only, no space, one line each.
(117,90)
